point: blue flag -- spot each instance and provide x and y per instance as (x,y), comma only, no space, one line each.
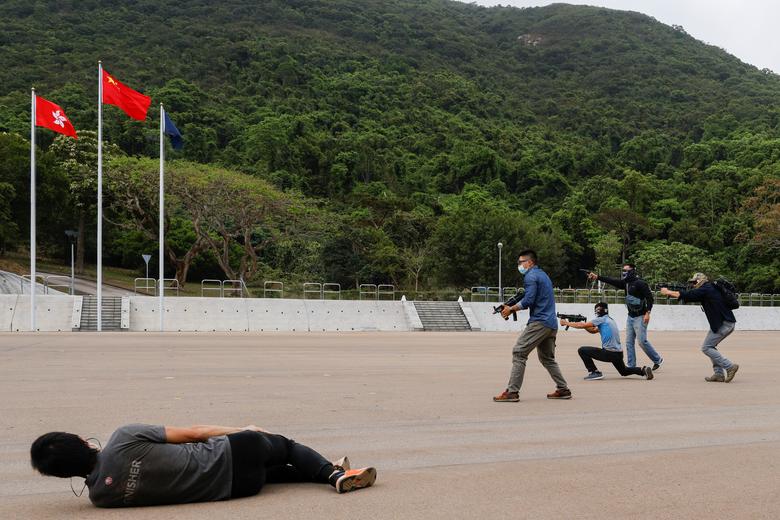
(171,131)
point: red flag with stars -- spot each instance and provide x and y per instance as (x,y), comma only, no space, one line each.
(133,103)
(51,116)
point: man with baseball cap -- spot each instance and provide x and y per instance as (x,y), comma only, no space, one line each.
(720,318)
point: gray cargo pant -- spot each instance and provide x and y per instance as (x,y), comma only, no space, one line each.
(535,336)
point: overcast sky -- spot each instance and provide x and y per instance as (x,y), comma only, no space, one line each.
(748,29)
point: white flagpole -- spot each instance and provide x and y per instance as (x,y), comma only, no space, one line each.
(161,285)
(100,202)
(32,214)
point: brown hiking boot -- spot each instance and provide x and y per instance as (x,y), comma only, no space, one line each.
(731,372)
(715,378)
(507,397)
(560,393)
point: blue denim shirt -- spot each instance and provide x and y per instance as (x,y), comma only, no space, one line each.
(539,298)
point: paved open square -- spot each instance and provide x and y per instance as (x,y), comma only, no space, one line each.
(418,407)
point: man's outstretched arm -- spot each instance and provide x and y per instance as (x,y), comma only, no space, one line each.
(202,432)
(589,326)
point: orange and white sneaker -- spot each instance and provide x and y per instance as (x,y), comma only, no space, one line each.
(356,479)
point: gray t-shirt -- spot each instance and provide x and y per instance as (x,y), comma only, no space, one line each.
(138,468)
(610,334)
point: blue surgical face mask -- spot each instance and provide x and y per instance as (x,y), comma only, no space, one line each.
(523,269)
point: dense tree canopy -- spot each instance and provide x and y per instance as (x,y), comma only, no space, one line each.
(365,141)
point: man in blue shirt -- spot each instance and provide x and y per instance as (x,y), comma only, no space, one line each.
(721,320)
(610,351)
(539,333)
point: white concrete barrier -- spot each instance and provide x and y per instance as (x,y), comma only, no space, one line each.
(75,317)
(277,314)
(52,313)
(390,316)
(188,314)
(663,317)
(758,318)
(7,308)
(184,314)
(144,313)
(347,315)
(411,315)
(327,315)
(468,312)
(483,312)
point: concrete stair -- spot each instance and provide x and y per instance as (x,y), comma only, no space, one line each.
(111,315)
(442,316)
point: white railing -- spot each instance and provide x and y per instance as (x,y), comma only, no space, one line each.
(367,289)
(211,285)
(384,290)
(312,288)
(146,285)
(273,287)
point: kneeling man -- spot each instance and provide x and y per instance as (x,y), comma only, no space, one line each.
(610,351)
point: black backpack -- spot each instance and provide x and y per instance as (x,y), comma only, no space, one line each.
(728,291)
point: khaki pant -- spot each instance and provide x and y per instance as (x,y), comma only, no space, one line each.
(535,336)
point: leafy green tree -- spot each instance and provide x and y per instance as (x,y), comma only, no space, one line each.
(78,159)
(14,171)
(236,216)
(133,186)
(627,225)
(674,262)
(8,228)
(608,248)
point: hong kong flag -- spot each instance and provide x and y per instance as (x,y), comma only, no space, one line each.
(118,94)
(51,116)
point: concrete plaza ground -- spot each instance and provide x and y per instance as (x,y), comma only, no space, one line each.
(418,407)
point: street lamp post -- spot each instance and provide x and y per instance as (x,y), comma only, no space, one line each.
(500,289)
(72,235)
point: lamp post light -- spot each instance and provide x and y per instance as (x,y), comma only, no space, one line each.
(72,236)
(500,289)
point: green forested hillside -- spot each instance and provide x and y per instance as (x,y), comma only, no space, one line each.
(403,139)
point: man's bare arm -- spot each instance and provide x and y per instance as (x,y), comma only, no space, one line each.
(589,326)
(666,292)
(201,432)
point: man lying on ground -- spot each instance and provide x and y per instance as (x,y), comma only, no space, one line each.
(145,465)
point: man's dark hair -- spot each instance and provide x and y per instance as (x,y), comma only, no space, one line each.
(629,264)
(61,454)
(603,305)
(530,253)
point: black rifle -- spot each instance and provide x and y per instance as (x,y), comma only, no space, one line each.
(511,301)
(574,318)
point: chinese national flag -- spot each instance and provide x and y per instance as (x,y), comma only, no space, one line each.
(51,116)
(118,94)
